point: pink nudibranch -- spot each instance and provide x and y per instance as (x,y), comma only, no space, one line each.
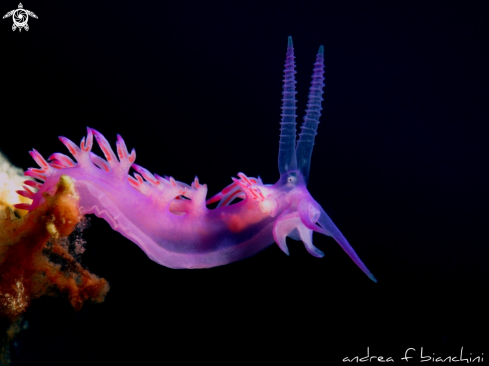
(170,221)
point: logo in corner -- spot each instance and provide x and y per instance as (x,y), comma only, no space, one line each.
(20,17)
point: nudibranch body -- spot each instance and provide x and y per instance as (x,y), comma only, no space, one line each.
(170,221)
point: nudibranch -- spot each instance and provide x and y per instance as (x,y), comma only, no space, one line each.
(170,220)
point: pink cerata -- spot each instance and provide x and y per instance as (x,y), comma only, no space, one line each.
(170,220)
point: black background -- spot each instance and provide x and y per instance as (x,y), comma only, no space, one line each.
(400,165)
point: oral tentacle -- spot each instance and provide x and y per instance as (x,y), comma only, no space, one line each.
(330,227)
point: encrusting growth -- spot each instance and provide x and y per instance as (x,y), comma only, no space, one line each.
(27,246)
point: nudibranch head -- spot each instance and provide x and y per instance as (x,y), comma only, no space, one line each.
(291,179)
(300,213)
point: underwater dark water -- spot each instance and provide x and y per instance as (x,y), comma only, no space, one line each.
(399,164)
